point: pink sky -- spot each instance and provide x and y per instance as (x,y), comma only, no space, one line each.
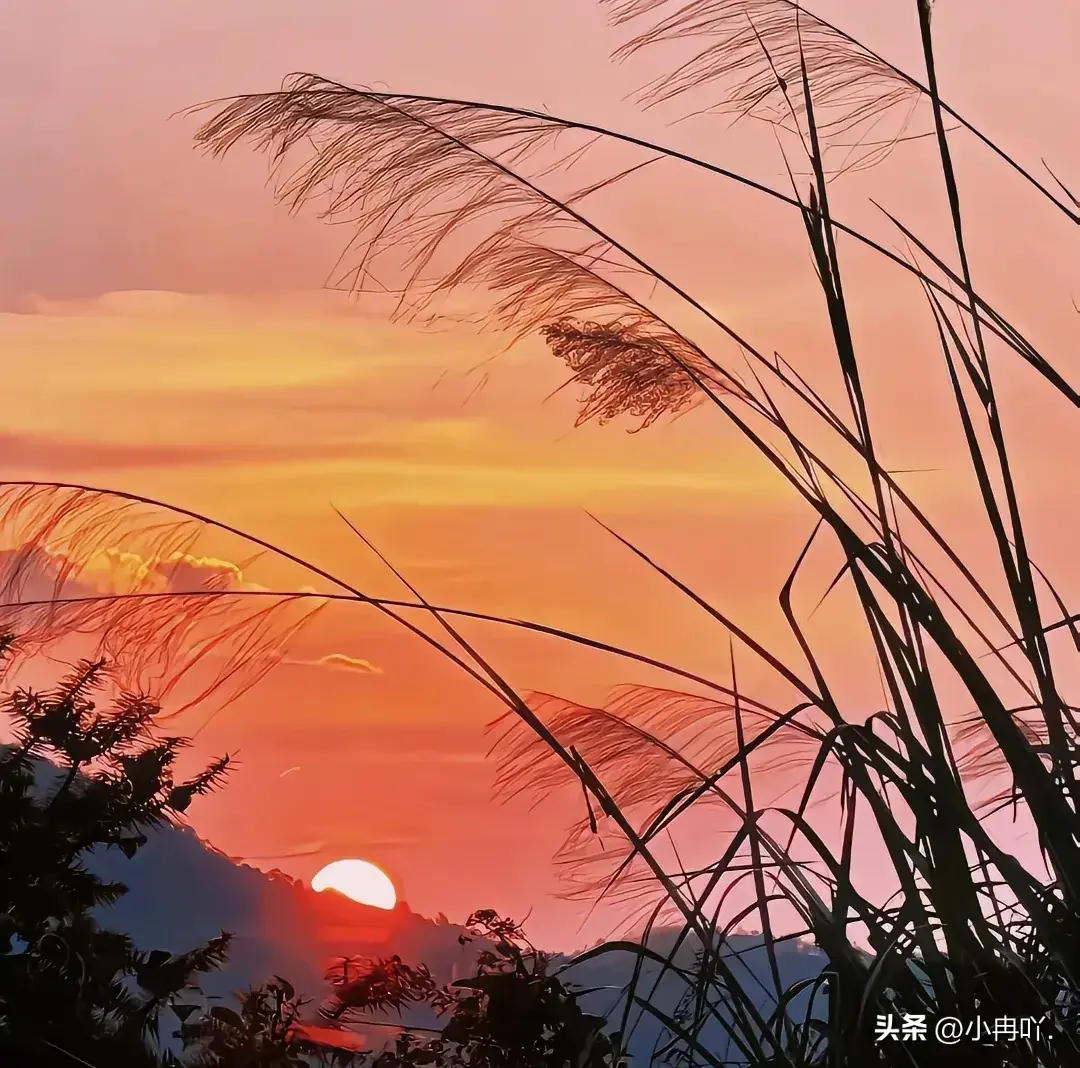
(162,335)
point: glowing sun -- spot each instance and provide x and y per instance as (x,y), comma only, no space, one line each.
(359,880)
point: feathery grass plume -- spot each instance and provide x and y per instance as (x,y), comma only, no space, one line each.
(89,569)
(442,190)
(640,768)
(754,55)
(626,370)
(405,175)
(650,746)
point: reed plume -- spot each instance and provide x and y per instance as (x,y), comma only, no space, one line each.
(753,59)
(123,582)
(414,178)
(762,59)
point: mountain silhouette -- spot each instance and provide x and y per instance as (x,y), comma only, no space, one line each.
(183,891)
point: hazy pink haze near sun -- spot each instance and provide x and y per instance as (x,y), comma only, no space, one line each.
(162,332)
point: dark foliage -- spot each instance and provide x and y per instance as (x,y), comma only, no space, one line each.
(266,1030)
(514,1012)
(79,780)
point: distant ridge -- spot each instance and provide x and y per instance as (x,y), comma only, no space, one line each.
(183,891)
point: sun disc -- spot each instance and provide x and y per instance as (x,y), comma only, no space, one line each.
(359,880)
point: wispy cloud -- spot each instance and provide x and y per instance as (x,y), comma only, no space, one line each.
(31,452)
(341,662)
(307,849)
(29,571)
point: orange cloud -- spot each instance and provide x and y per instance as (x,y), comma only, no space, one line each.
(120,570)
(344,662)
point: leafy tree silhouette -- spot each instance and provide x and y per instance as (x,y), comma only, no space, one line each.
(78,780)
(514,1012)
(81,778)
(266,1031)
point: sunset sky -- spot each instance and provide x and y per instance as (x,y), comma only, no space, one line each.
(163,331)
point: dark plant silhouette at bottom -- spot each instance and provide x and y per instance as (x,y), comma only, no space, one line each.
(84,775)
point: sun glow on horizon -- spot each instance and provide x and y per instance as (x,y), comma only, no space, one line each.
(359,880)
